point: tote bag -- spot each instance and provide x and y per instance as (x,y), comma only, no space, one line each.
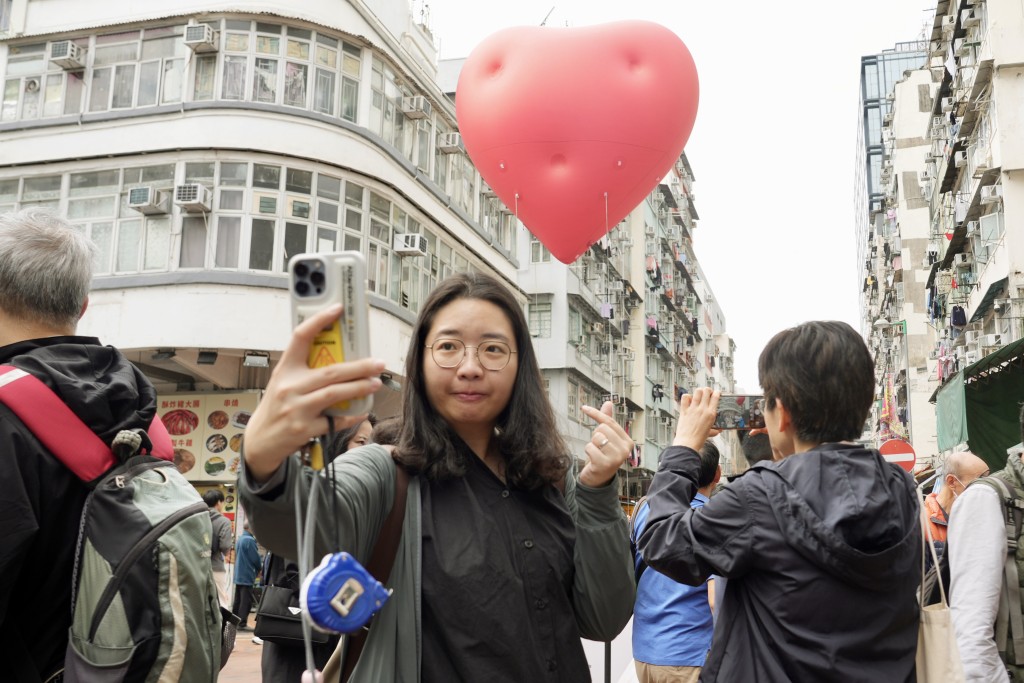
(938,657)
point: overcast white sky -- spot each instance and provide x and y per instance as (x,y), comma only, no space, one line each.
(773,149)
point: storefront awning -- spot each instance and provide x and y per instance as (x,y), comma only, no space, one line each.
(981,405)
(993,393)
(951,413)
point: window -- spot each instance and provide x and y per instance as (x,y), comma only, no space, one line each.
(538,252)
(5,14)
(23,83)
(573,403)
(540,319)
(131,70)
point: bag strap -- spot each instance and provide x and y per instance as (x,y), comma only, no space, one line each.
(71,442)
(382,561)
(639,571)
(1009,619)
(928,545)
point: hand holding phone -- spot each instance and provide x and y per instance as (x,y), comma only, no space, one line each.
(740,412)
(696,416)
(317,281)
(291,411)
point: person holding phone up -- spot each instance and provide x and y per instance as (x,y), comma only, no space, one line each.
(507,555)
(822,549)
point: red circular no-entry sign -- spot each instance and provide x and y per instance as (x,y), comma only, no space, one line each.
(899,452)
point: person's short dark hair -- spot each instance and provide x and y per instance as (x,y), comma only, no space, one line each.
(534,452)
(212,497)
(387,431)
(757,448)
(823,373)
(709,457)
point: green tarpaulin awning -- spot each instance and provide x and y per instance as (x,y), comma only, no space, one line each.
(981,405)
(951,413)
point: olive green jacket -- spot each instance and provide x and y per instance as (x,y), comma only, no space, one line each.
(603,588)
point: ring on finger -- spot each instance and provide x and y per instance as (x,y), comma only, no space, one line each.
(604,442)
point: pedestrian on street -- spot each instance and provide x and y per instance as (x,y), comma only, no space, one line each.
(247,566)
(222,543)
(822,549)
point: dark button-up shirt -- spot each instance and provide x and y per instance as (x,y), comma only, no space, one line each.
(497,583)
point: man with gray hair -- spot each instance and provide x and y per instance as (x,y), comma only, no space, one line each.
(961,469)
(45,275)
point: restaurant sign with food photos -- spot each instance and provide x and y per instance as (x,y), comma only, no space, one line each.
(206,431)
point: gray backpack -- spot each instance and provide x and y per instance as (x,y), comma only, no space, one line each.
(144,600)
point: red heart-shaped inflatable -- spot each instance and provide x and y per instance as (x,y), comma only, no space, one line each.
(573,127)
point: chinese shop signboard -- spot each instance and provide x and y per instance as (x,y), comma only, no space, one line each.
(206,431)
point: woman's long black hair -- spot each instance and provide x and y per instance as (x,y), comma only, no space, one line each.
(528,440)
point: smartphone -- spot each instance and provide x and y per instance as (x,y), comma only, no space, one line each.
(317,281)
(740,412)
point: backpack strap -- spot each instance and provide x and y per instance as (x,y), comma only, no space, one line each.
(1009,619)
(639,571)
(382,561)
(72,442)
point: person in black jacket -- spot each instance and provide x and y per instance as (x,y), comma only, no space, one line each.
(821,549)
(45,273)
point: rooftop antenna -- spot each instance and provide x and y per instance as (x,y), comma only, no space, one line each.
(548,15)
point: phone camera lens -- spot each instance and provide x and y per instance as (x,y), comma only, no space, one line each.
(302,288)
(318,280)
(301,269)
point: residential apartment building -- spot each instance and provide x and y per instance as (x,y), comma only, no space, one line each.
(974,182)
(890,106)
(942,259)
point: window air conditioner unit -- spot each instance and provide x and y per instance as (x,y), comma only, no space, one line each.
(451,143)
(969,18)
(649,230)
(990,340)
(66,55)
(147,200)
(972,227)
(192,197)
(597,328)
(410,244)
(201,38)
(417,107)
(990,194)
(948,21)
(963,259)
(971,336)
(947,104)
(972,357)
(960,159)
(617,286)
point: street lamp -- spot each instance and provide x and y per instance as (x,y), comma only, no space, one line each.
(880,325)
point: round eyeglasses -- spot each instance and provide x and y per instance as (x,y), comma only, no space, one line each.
(492,355)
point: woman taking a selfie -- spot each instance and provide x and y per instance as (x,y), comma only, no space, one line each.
(506,557)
